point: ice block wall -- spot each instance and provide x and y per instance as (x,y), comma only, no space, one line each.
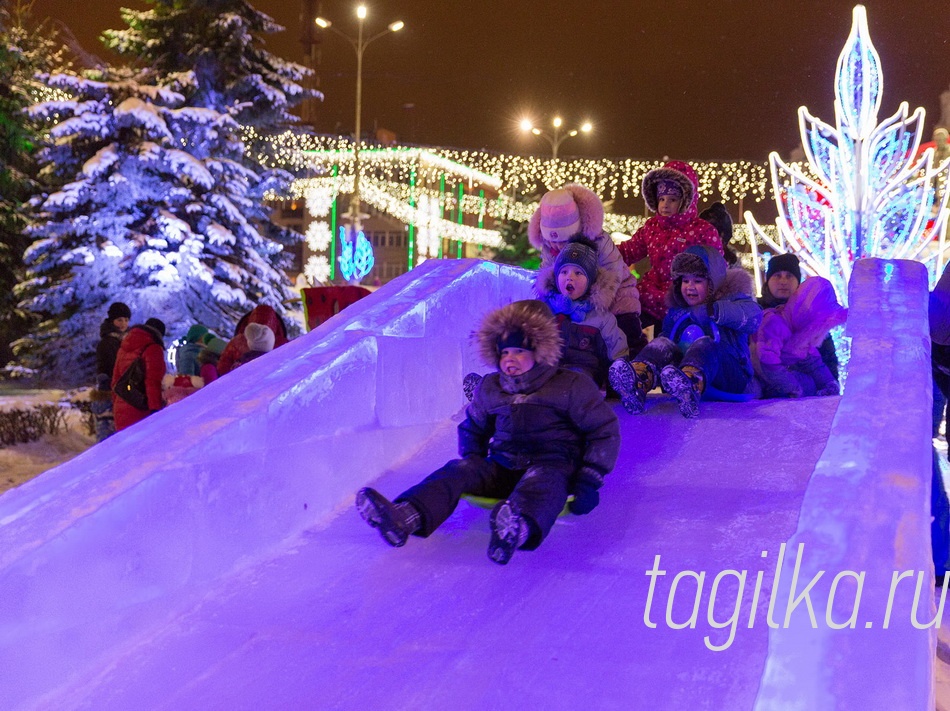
(95,552)
(865,519)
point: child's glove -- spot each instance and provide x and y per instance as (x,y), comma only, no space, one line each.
(585,493)
(586,498)
(780,382)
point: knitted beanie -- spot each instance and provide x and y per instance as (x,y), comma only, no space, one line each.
(582,253)
(119,310)
(668,187)
(259,337)
(560,217)
(784,263)
(718,216)
(158,325)
(196,333)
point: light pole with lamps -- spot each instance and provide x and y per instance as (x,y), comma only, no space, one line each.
(557,137)
(359,44)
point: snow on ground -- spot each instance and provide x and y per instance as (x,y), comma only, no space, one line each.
(22,462)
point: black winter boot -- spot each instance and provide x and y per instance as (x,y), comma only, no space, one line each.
(632,381)
(686,386)
(396,522)
(508,531)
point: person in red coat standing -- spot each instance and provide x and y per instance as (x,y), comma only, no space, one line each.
(143,340)
(672,192)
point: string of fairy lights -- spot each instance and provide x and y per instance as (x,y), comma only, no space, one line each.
(453,194)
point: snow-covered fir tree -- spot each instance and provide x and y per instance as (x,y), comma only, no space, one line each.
(222,43)
(26,48)
(155,209)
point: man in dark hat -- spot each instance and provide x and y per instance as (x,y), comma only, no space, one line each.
(782,279)
(111,332)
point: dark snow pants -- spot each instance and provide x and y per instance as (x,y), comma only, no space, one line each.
(538,492)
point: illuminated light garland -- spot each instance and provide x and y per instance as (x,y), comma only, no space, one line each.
(609,178)
(380,196)
(866,195)
(398,181)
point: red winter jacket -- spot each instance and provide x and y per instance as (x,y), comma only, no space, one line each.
(662,238)
(237,346)
(146,342)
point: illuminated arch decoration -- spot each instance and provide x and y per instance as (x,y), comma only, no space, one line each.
(869,196)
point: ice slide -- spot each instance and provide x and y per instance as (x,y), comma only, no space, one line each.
(210,557)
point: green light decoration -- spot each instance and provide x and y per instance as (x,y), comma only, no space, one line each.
(412,224)
(461,216)
(335,173)
(441,208)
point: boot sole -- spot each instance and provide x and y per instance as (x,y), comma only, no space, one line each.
(623,379)
(375,509)
(678,384)
(505,525)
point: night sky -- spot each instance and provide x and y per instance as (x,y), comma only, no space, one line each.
(690,80)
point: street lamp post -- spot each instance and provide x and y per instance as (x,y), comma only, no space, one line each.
(556,137)
(360,45)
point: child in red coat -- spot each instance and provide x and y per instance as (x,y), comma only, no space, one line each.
(672,192)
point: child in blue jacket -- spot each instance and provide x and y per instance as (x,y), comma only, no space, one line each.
(705,338)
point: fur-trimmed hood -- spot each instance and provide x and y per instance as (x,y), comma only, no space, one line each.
(726,281)
(530,316)
(683,175)
(600,293)
(591,211)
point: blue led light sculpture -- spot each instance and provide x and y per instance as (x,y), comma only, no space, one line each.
(870,195)
(356,256)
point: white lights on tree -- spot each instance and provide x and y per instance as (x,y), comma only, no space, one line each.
(871,196)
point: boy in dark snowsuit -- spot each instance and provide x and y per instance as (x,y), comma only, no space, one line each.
(534,434)
(705,339)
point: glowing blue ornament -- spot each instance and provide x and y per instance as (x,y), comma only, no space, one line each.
(356,256)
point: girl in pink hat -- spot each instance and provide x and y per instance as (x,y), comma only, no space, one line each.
(573,210)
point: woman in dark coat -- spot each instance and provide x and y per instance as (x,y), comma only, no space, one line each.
(111,332)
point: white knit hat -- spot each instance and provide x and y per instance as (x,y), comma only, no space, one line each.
(259,337)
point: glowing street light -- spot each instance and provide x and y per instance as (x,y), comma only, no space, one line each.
(556,137)
(359,45)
